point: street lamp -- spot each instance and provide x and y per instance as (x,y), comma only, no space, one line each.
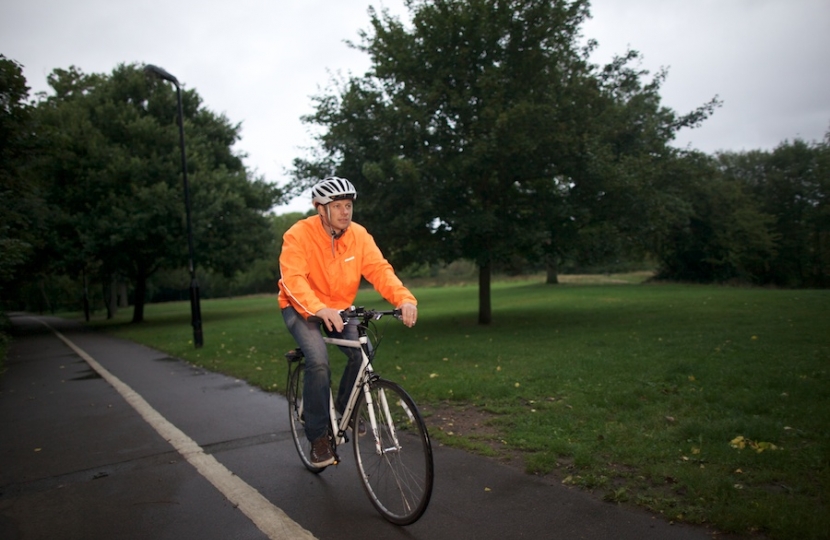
(195,309)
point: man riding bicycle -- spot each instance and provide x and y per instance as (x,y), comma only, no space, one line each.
(322,261)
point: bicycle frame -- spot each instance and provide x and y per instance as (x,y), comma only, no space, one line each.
(395,465)
(364,375)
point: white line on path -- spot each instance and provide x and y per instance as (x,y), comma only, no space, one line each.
(268,518)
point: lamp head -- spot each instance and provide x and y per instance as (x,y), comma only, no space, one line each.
(161,73)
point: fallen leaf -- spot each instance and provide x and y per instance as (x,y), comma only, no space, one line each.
(738,442)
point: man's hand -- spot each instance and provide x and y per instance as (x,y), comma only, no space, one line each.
(409,314)
(331,318)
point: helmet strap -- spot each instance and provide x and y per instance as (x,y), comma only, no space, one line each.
(334,235)
(332,231)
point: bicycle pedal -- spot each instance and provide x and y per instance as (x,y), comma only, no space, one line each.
(294,355)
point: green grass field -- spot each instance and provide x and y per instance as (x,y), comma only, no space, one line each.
(705,404)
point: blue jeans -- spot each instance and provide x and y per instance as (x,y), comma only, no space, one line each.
(317,379)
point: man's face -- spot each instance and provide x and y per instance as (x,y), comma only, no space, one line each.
(337,214)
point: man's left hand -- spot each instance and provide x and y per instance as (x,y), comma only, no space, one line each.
(409,314)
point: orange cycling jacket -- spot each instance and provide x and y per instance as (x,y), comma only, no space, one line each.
(318,272)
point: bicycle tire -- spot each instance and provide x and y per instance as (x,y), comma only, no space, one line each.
(294,394)
(398,479)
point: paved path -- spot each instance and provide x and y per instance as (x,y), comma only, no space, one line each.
(106,439)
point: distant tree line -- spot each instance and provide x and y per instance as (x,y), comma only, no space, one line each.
(481,132)
(760,217)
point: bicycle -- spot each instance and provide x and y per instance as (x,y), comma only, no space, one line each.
(394,455)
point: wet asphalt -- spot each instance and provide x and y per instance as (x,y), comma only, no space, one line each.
(77,461)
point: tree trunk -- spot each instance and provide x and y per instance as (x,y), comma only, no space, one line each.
(821,274)
(552,270)
(86,296)
(111,297)
(140,293)
(485,313)
(123,299)
(44,297)
(106,290)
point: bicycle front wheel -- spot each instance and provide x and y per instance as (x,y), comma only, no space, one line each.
(394,456)
(294,394)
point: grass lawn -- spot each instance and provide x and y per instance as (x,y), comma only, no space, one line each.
(705,404)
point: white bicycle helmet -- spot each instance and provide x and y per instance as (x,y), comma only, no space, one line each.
(331,189)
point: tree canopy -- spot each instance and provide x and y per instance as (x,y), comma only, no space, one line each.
(20,219)
(483,132)
(791,186)
(111,175)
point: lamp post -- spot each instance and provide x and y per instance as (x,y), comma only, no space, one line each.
(195,308)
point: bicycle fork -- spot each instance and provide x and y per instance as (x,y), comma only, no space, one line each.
(386,418)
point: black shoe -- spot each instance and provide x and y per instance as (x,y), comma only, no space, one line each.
(321,454)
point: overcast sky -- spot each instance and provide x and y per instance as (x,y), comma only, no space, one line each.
(259,61)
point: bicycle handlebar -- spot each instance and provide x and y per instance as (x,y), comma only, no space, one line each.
(362,313)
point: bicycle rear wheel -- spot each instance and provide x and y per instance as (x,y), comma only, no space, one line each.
(295,415)
(394,463)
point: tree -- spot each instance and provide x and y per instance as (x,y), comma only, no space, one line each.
(482,132)
(459,113)
(22,206)
(611,196)
(114,175)
(264,274)
(718,233)
(791,183)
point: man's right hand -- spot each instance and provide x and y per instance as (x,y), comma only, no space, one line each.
(331,318)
